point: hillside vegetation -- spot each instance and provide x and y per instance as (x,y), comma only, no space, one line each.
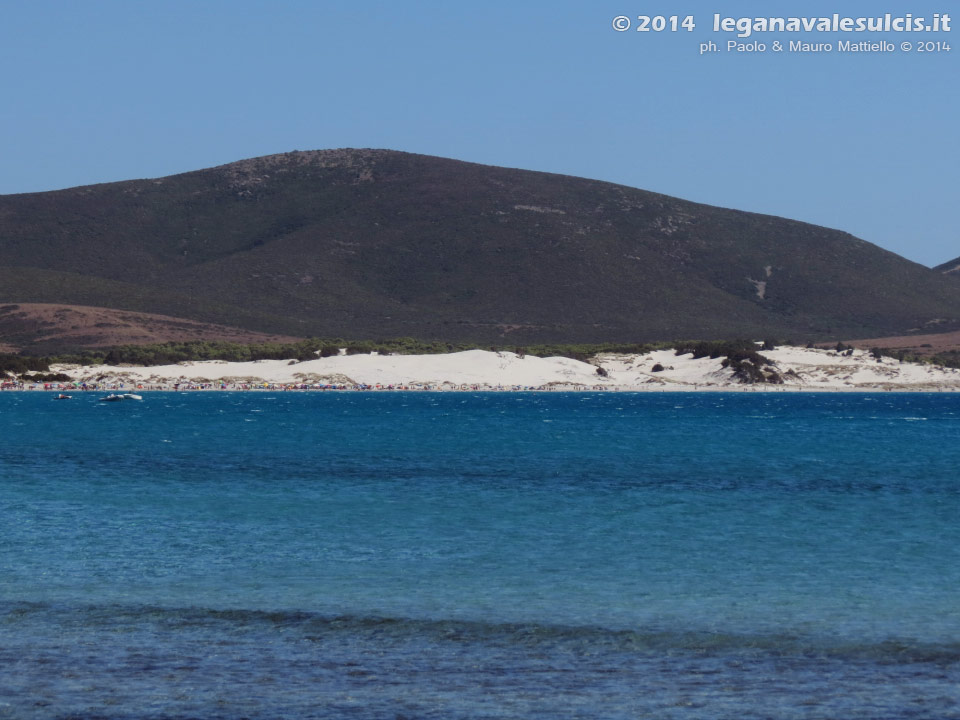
(372,244)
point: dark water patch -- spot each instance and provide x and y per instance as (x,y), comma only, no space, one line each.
(124,662)
(391,631)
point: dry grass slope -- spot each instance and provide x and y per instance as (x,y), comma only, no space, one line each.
(39,328)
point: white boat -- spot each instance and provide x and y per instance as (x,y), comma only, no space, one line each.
(113,397)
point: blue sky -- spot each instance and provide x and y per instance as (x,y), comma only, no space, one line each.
(106,90)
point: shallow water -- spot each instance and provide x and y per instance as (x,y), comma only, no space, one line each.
(480,555)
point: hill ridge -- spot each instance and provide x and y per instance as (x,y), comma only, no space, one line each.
(951,267)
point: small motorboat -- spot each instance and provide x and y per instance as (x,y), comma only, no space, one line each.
(63,396)
(114,397)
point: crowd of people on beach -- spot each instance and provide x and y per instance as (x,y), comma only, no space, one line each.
(280,387)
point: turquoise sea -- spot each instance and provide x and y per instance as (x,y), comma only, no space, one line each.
(489,555)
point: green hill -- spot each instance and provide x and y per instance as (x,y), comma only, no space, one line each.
(377,243)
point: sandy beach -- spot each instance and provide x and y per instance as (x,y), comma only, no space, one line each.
(479,370)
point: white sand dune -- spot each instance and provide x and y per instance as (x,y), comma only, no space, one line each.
(800,368)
